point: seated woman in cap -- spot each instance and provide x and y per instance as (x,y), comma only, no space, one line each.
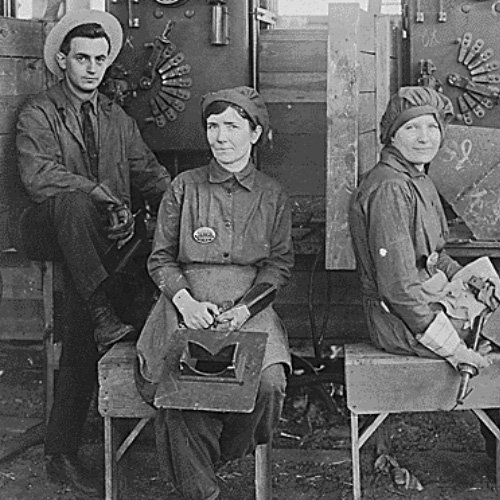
(399,229)
(223,237)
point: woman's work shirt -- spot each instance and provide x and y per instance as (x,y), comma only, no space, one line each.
(212,216)
(399,230)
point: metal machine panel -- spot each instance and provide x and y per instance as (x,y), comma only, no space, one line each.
(173,53)
(455,46)
(467,174)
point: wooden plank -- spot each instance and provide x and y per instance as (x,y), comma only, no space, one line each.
(366,34)
(378,382)
(293,56)
(293,87)
(294,35)
(367,72)
(368,151)
(342,138)
(22,282)
(382,67)
(297,161)
(118,395)
(366,112)
(21,319)
(21,38)
(298,117)
(9,110)
(20,76)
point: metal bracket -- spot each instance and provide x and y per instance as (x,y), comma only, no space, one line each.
(265,16)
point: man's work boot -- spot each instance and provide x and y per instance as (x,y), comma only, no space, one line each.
(67,469)
(108,328)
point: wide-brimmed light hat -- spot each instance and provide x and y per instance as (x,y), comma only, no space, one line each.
(75,18)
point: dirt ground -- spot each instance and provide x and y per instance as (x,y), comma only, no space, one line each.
(443,450)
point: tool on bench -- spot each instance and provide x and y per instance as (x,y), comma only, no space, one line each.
(467,371)
(486,325)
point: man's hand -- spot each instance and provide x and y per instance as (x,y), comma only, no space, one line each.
(121,223)
(233,319)
(195,314)
(103,197)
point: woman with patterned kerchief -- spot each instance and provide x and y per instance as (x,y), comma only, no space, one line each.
(223,234)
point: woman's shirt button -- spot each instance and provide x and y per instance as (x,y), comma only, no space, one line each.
(225,255)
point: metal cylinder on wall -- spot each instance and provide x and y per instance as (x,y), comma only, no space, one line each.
(220,24)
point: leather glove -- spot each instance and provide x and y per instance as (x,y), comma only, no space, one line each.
(442,338)
(194,314)
(102,197)
(120,222)
(487,295)
(465,355)
(233,319)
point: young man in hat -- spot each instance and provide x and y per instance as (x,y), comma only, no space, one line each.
(79,156)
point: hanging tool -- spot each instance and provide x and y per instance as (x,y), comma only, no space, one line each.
(442,12)
(177,82)
(467,371)
(483,57)
(477,109)
(158,118)
(464,46)
(419,17)
(171,63)
(175,103)
(160,44)
(474,50)
(464,110)
(170,113)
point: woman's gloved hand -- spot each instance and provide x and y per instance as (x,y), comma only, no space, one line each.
(194,314)
(233,319)
(465,355)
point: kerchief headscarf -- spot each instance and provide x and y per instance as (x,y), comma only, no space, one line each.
(247,99)
(410,102)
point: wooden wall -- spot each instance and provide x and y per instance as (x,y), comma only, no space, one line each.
(362,74)
(22,75)
(292,81)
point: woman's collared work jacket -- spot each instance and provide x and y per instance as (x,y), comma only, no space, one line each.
(247,218)
(397,223)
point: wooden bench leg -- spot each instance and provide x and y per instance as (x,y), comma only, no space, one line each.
(114,452)
(263,472)
(357,443)
(483,417)
(356,475)
(110,479)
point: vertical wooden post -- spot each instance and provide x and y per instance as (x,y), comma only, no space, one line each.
(47,269)
(263,472)
(356,474)
(110,465)
(342,132)
(383,42)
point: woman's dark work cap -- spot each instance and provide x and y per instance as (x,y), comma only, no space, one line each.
(411,102)
(247,99)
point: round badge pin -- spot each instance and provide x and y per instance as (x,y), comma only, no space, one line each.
(204,235)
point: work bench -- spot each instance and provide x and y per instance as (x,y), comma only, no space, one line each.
(378,383)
